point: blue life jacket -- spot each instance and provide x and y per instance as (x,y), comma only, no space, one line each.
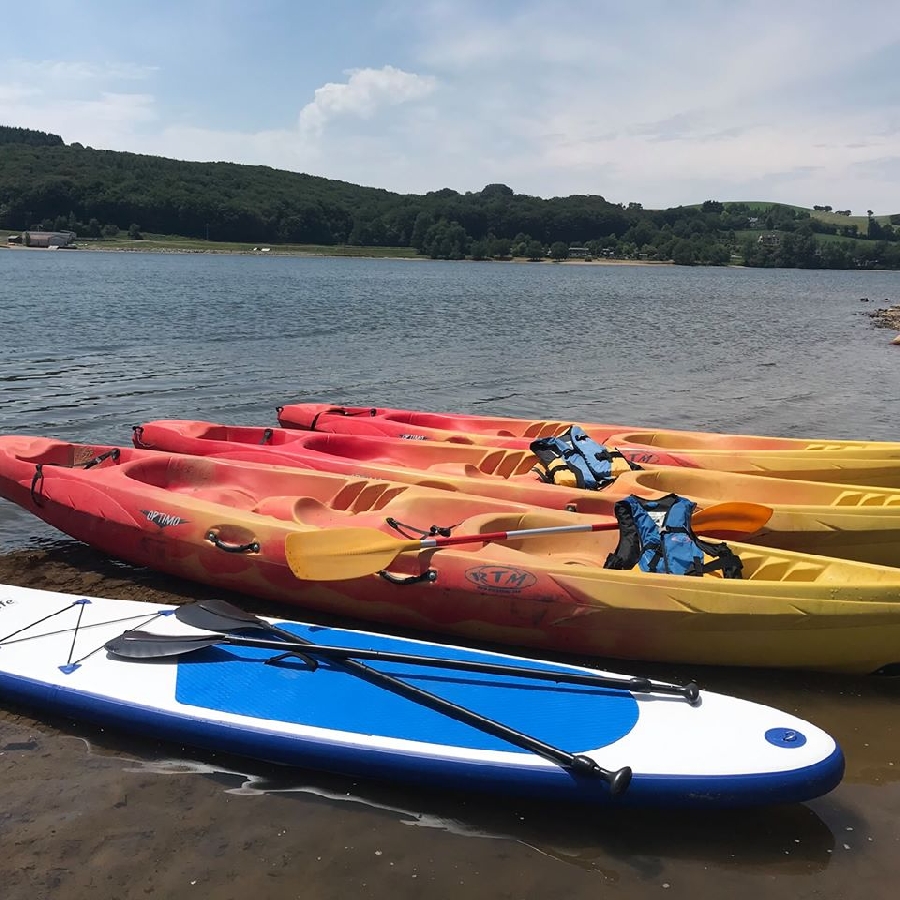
(573,458)
(656,535)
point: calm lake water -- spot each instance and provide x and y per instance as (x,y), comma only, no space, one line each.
(94,343)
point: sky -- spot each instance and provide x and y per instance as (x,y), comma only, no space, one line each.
(658,102)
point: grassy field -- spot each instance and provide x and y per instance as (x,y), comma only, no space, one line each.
(829,218)
(174,243)
(753,234)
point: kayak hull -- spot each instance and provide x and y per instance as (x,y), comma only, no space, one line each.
(718,751)
(225,523)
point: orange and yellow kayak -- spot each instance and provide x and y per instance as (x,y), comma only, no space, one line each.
(227,523)
(850,522)
(873,463)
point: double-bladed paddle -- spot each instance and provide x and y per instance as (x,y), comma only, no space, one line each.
(145,645)
(334,554)
(220,616)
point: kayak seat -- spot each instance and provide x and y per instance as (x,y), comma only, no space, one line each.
(291,508)
(465,470)
(230,497)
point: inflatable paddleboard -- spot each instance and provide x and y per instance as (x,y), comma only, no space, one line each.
(371,705)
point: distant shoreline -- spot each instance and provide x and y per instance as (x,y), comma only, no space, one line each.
(152,247)
(346,251)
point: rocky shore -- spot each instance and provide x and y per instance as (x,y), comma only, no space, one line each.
(886,318)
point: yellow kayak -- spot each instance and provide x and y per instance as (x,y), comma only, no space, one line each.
(242,526)
(861,523)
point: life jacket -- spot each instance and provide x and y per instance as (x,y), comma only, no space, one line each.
(656,535)
(574,459)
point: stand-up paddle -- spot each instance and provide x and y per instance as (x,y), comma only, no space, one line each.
(335,554)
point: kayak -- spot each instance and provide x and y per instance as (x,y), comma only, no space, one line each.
(870,463)
(375,706)
(809,517)
(311,416)
(451,563)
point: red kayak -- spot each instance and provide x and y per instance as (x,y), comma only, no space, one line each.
(875,463)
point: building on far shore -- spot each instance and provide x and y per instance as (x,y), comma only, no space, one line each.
(43,238)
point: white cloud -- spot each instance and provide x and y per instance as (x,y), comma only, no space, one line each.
(364,93)
(659,103)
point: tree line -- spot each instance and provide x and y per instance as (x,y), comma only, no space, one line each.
(49,184)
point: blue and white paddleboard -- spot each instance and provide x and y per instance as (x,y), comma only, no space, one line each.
(444,726)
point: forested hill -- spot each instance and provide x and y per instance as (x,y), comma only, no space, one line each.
(47,183)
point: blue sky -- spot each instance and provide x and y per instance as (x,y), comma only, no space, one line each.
(660,102)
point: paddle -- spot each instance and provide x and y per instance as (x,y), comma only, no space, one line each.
(333,554)
(221,616)
(144,645)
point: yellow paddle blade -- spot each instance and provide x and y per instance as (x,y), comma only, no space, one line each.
(735,519)
(333,554)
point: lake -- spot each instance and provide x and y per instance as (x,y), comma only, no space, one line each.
(95,342)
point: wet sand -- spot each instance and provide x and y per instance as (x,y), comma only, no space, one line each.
(93,814)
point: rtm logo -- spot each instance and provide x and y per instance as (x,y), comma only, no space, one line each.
(500,578)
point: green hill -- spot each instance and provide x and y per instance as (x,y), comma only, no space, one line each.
(100,194)
(828,217)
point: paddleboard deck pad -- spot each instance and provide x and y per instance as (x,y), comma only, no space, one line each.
(322,713)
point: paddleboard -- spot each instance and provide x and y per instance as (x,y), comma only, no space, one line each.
(288,704)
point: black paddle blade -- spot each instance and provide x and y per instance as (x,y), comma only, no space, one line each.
(224,609)
(144,645)
(216,615)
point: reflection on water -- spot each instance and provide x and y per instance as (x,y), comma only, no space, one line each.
(780,838)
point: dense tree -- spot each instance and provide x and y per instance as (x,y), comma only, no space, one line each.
(9,135)
(101,193)
(534,251)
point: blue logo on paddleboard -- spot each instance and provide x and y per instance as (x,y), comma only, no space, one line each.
(500,578)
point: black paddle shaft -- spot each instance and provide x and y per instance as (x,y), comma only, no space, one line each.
(577,763)
(218,615)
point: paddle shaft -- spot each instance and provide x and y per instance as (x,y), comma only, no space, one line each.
(337,554)
(581,764)
(699,519)
(636,684)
